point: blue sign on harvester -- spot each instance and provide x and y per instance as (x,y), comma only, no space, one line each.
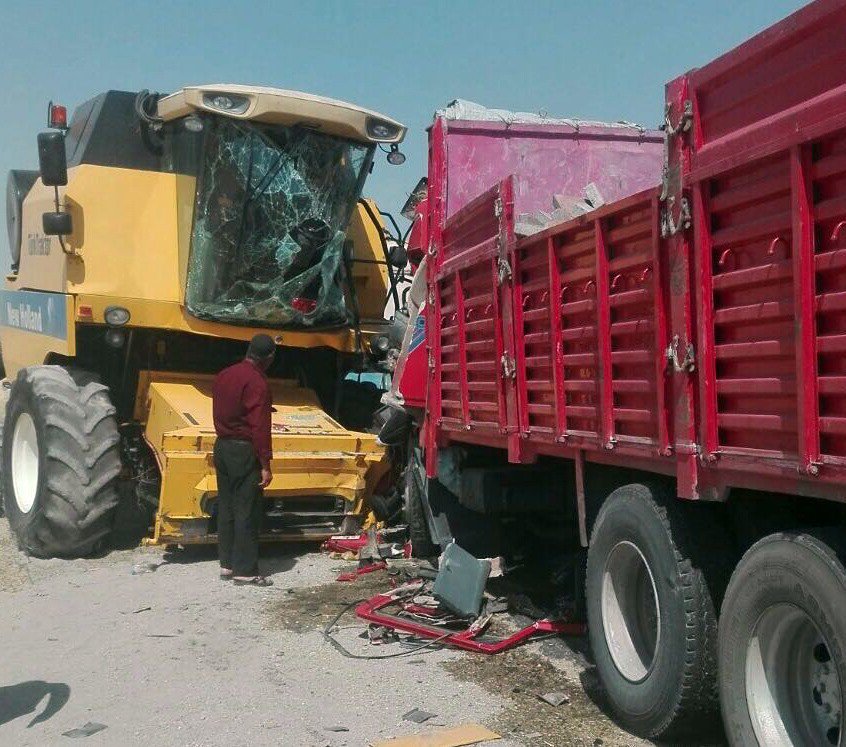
(32,311)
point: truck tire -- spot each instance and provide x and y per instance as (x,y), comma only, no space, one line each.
(61,461)
(4,401)
(782,644)
(418,528)
(651,617)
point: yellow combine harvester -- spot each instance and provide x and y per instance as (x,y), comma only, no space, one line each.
(159,234)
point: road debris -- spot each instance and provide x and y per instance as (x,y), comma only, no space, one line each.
(418,716)
(450,612)
(145,566)
(86,730)
(555,699)
(136,612)
(460,583)
(363,570)
(344,543)
(379,635)
(455,736)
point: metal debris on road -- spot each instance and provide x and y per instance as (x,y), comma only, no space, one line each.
(425,623)
(86,730)
(379,634)
(418,716)
(353,575)
(555,699)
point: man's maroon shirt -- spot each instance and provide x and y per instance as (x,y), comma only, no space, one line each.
(242,406)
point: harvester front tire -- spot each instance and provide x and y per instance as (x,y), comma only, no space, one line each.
(61,461)
(651,618)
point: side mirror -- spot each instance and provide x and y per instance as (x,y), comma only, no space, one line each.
(57,224)
(417,194)
(52,159)
(399,256)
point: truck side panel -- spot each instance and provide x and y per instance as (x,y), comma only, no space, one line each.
(697,330)
(765,170)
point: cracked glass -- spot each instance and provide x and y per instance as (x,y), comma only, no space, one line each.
(272,209)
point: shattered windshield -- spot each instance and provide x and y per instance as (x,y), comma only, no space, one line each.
(272,209)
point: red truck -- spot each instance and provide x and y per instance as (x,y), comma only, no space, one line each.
(669,372)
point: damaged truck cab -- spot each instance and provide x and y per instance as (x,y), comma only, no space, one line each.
(159,235)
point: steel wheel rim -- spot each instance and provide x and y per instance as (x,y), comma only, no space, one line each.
(631,615)
(793,691)
(25,458)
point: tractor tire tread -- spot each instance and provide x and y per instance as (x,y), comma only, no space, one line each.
(81,463)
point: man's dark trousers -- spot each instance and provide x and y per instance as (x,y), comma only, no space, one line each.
(239,505)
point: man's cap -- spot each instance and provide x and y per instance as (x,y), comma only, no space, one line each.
(261,347)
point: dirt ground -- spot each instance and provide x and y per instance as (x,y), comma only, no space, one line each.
(156,648)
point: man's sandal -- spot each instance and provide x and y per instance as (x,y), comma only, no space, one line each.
(253,581)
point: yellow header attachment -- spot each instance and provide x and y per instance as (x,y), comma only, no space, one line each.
(315,461)
(278,106)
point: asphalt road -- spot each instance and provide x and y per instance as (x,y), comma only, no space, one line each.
(158,650)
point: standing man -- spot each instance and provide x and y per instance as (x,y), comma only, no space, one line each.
(242,407)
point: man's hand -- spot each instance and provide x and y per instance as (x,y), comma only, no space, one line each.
(266,477)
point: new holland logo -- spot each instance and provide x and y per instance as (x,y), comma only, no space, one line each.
(36,312)
(38,245)
(24,317)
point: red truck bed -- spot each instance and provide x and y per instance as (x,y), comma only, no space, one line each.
(697,328)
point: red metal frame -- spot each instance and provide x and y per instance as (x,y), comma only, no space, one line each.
(466,640)
(739,256)
(804,300)
(363,571)
(436,204)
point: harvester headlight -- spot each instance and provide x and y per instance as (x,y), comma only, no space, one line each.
(227,102)
(116,316)
(396,157)
(115,337)
(379,129)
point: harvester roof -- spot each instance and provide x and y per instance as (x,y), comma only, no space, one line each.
(279,106)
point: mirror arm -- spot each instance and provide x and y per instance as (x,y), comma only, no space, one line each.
(385,252)
(408,232)
(398,234)
(61,238)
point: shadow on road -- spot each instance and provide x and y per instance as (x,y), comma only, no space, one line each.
(273,558)
(23,698)
(710,734)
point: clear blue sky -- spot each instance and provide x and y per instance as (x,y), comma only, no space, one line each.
(600,59)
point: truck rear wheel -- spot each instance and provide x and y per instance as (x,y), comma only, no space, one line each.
(651,619)
(61,461)
(782,644)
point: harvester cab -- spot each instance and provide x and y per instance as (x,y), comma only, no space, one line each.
(158,235)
